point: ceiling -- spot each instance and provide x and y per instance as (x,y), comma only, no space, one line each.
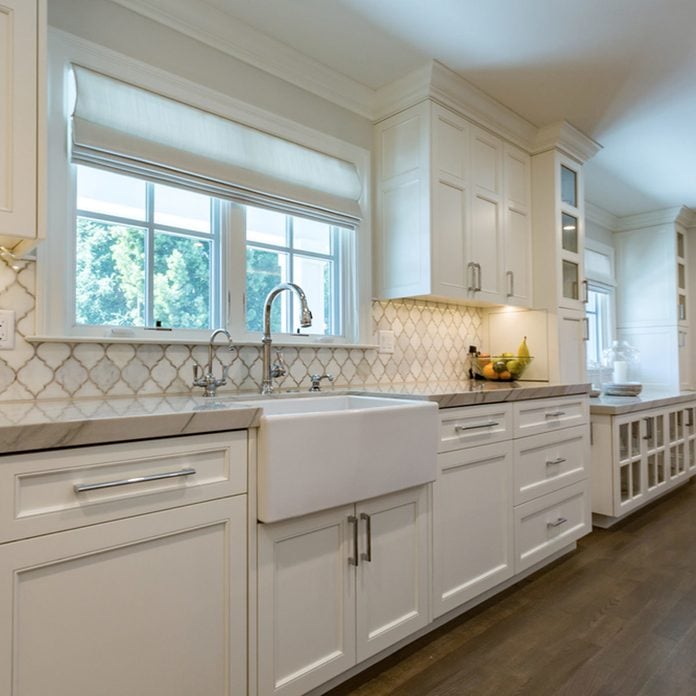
(622,71)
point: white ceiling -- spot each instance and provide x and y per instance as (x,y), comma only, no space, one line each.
(622,71)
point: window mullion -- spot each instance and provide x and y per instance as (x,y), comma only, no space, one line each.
(290,240)
(150,257)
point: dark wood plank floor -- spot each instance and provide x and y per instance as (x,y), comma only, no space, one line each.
(616,618)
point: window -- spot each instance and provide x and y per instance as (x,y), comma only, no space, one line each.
(598,312)
(146,254)
(149,255)
(599,269)
(282,248)
(177,214)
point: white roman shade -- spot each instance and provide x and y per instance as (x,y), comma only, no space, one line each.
(137,131)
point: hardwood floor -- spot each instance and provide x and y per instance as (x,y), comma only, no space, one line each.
(616,618)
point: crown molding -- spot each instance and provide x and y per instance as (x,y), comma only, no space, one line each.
(667,216)
(441,84)
(210,25)
(567,138)
(600,216)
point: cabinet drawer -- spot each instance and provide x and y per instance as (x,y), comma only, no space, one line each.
(545,463)
(546,415)
(474,425)
(547,524)
(44,492)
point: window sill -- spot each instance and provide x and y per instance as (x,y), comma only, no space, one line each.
(134,340)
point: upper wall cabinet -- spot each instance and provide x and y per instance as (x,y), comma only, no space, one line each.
(559,231)
(22,28)
(453,210)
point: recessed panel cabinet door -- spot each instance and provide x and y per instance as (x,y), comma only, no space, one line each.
(392,591)
(487,218)
(153,605)
(306,599)
(472,524)
(19,40)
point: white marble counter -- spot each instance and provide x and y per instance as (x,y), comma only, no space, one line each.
(476,392)
(649,398)
(39,425)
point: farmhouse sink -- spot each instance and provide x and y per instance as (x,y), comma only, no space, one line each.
(319,452)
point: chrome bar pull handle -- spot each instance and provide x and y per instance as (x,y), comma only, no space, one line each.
(558,522)
(476,426)
(84,487)
(477,287)
(554,414)
(368,522)
(585,292)
(557,460)
(586,331)
(471,272)
(354,560)
(511,283)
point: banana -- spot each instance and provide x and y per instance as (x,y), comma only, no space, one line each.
(523,352)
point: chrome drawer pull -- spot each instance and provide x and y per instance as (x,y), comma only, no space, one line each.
(558,460)
(352,519)
(462,428)
(554,414)
(368,519)
(83,487)
(558,522)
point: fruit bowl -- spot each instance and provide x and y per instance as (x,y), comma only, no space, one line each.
(500,368)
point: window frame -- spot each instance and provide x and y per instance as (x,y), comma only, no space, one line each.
(55,284)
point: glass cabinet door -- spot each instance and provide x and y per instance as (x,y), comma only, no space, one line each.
(569,186)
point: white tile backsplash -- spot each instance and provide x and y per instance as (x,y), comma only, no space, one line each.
(430,344)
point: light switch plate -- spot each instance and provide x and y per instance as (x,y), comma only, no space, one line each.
(386,341)
(7,329)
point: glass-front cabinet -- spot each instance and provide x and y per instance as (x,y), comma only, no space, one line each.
(573,285)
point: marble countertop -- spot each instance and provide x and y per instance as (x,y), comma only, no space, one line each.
(476,392)
(649,398)
(38,425)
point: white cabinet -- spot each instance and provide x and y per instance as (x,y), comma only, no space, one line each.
(472,524)
(22,38)
(337,587)
(453,203)
(504,471)
(638,457)
(653,305)
(140,592)
(559,234)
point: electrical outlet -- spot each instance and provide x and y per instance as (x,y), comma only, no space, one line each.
(7,329)
(386,342)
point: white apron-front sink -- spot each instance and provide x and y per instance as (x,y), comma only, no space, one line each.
(316,453)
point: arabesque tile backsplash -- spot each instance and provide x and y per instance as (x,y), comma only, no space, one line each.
(431,342)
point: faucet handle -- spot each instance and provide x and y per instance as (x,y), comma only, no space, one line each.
(279,368)
(316,381)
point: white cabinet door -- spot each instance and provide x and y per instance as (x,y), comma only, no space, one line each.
(153,605)
(452,276)
(20,36)
(472,524)
(487,218)
(517,239)
(571,356)
(306,601)
(393,588)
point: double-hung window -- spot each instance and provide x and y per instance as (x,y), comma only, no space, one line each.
(599,270)
(183,220)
